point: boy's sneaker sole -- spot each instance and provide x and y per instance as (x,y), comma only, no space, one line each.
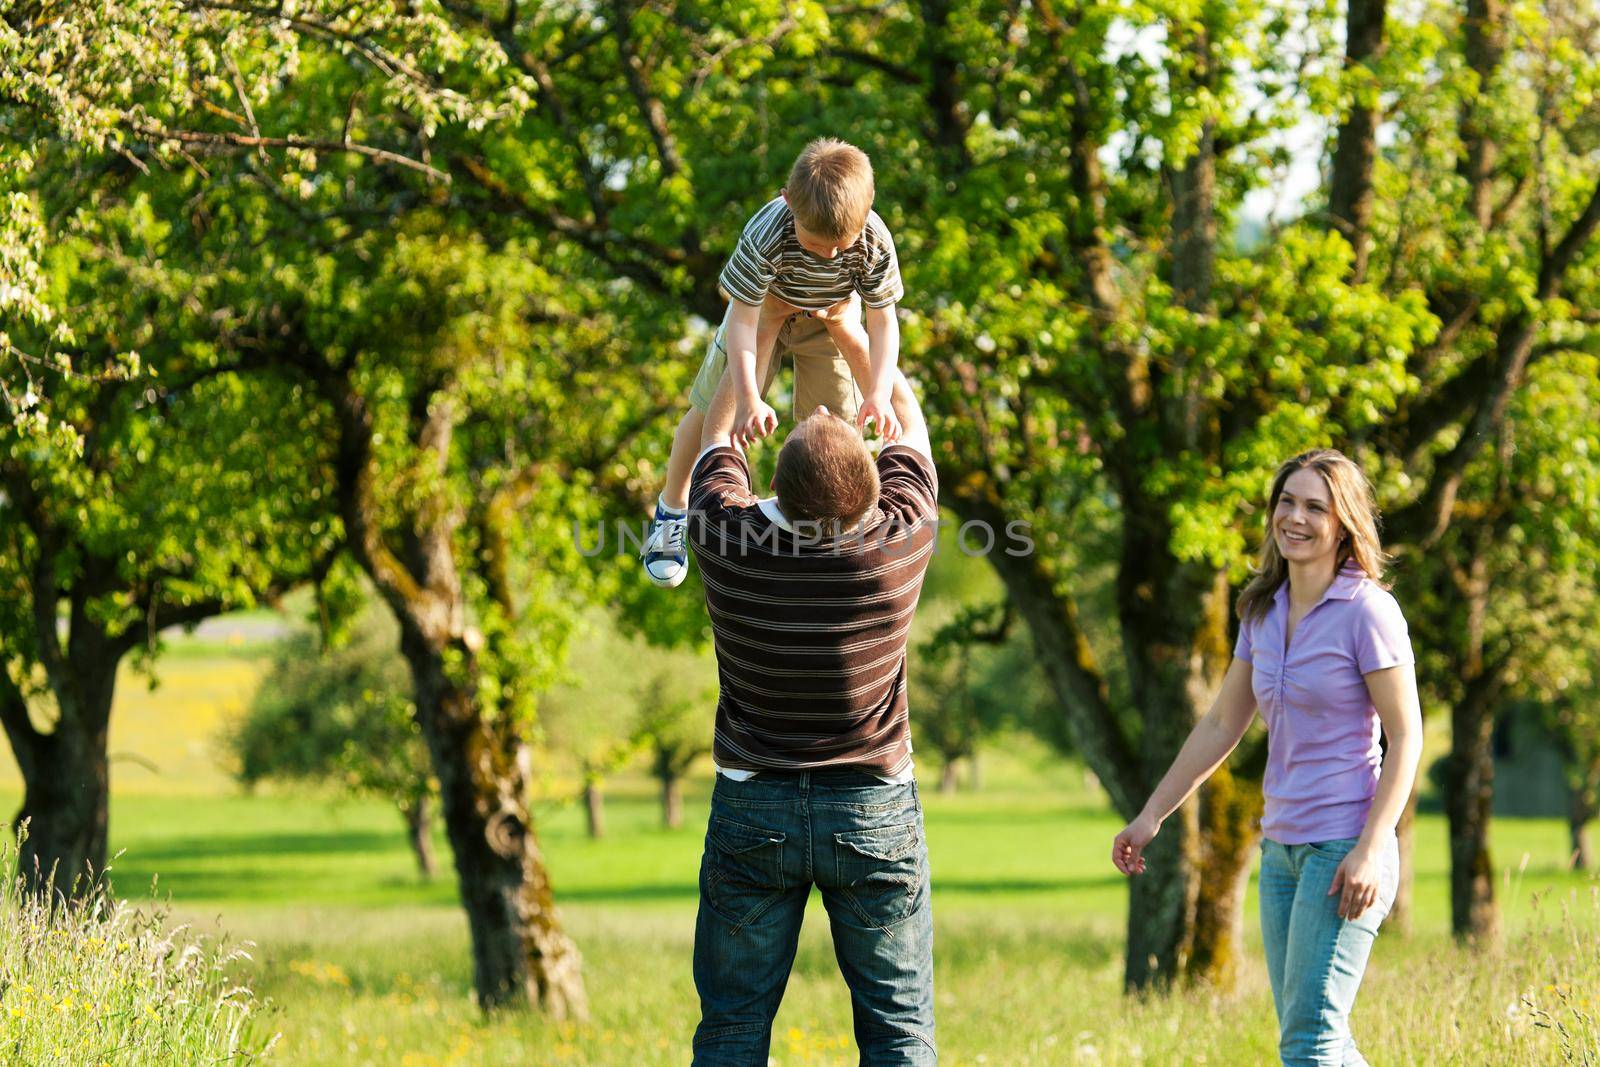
(664,547)
(670,582)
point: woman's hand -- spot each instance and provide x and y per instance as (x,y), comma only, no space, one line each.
(1356,881)
(1127,851)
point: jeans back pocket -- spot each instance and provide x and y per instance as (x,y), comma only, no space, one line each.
(881,870)
(742,873)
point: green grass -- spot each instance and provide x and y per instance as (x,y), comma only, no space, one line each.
(362,962)
(359,961)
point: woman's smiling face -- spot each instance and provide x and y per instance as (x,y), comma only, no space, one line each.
(1303,522)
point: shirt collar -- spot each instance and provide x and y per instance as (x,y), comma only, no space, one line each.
(769,508)
(1343,587)
(1346,582)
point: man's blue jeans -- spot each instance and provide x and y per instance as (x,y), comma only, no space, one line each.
(1315,959)
(860,841)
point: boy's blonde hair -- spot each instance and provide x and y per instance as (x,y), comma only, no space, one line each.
(830,188)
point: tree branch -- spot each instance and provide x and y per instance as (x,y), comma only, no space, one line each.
(903,75)
(156,134)
(25,739)
(1068,661)
(363,45)
(1429,517)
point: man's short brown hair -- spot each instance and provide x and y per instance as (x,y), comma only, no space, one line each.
(830,188)
(825,474)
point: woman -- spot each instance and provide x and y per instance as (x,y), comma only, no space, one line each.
(1324,653)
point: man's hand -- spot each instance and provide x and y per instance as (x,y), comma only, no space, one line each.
(878,410)
(753,419)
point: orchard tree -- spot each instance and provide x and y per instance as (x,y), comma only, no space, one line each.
(674,717)
(1509,610)
(602,714)
(1483,489)
(148,502)
(969,679)
(341,715)
(1571,721)
(304,137)
(138,488)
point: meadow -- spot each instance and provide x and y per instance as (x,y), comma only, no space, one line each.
(357,960)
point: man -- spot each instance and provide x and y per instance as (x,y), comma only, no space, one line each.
(811,595)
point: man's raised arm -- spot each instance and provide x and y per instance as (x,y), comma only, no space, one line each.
(914,428)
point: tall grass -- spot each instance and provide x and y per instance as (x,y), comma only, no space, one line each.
(99,981)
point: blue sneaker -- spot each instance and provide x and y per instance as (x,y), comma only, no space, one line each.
(666,559)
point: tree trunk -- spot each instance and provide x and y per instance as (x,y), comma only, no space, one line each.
(1161,906)
(948,781)
(1401,919)
(1483,35)
(66,777)
(1355,151)
(1474,916)
(1230,814)
(520,953)
(1578,819)
(594,806)
(671,801)
(65,803)
(1174,622)
(419,824)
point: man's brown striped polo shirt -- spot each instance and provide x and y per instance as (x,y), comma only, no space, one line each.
(811,630)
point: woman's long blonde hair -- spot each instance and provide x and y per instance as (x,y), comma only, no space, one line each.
(1355,509)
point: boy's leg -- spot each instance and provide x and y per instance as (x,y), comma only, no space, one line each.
(822,373)
(680,464)
(665,555)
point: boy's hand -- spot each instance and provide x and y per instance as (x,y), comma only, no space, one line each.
(879,411)
(753,420)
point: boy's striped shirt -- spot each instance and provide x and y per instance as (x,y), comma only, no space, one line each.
(811,632)
(769,257)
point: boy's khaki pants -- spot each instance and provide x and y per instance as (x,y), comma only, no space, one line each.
(821,375)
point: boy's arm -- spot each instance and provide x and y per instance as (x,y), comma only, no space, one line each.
(883,342)
(753,417)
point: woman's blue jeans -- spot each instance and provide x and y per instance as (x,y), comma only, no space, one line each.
(1315,959)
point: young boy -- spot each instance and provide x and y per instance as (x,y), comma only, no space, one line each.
(816,248)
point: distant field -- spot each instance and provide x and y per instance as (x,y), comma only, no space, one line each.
(162,739)
(362,963)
